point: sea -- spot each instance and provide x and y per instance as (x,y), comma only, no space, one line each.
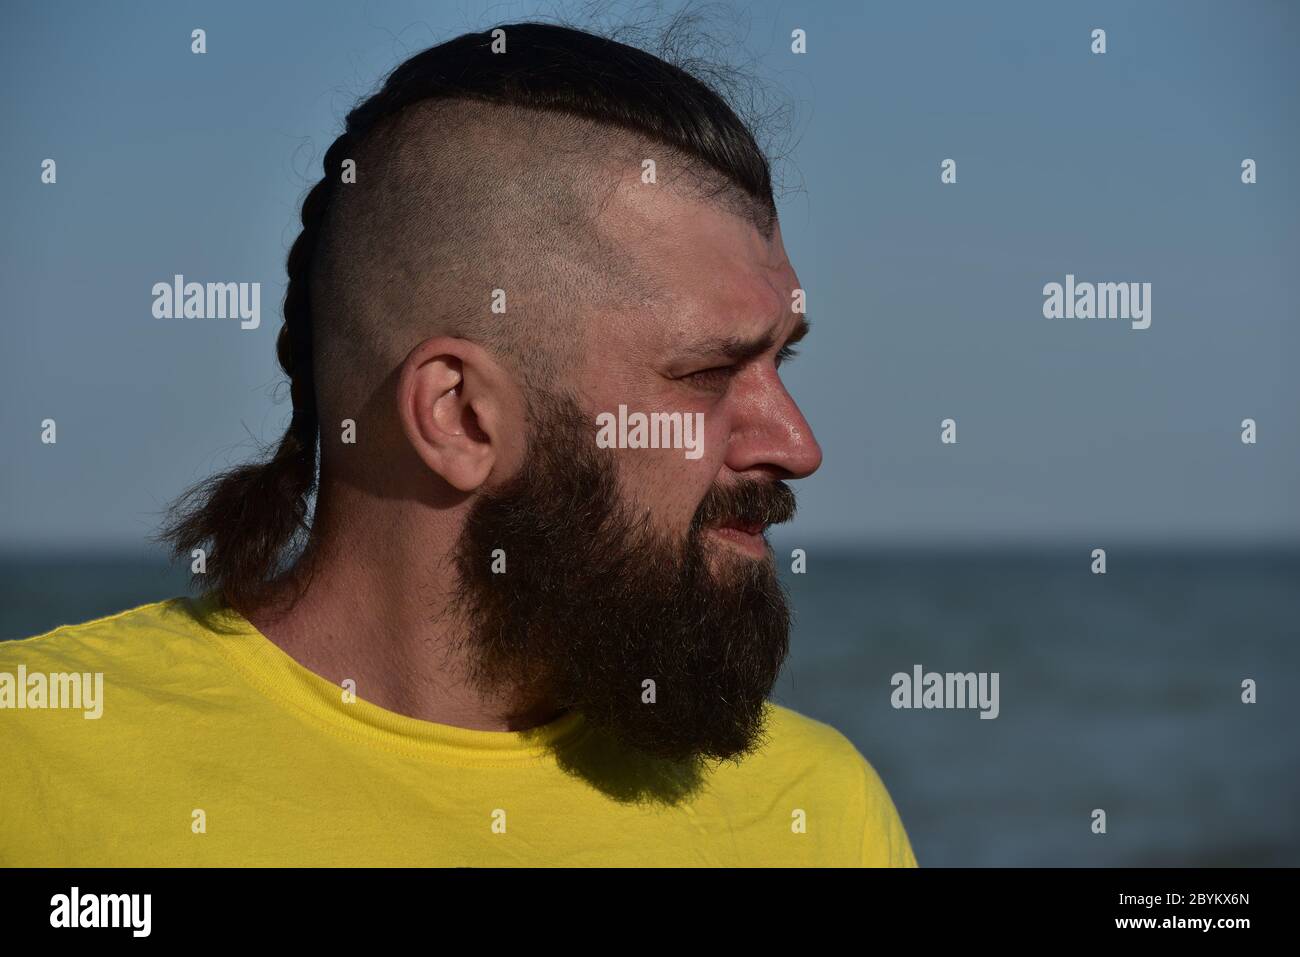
(1119,693)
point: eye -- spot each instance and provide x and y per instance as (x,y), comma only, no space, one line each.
(712,378)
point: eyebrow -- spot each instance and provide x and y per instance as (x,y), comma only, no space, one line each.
(742,350)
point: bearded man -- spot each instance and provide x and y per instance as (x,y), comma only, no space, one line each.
(442,624)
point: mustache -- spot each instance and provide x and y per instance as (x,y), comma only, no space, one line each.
(763,503)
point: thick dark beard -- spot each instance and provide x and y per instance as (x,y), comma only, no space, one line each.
(595,602)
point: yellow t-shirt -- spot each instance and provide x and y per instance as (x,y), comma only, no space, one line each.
(207,745)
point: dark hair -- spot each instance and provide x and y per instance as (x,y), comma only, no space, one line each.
(250,516)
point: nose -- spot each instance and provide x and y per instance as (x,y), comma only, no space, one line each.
(770,433)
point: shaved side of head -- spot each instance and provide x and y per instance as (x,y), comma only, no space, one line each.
(455,199)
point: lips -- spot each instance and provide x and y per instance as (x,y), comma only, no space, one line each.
(747,509)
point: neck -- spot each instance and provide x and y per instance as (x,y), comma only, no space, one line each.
(371,601)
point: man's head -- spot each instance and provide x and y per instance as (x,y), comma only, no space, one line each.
(536,240)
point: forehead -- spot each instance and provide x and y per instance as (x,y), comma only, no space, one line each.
(712,272)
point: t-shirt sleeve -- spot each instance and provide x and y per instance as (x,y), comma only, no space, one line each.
(884,839)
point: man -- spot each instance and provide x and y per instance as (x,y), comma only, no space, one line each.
(532,331)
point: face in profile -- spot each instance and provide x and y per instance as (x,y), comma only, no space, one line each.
(639,586)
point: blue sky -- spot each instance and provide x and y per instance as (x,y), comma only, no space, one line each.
(926,298)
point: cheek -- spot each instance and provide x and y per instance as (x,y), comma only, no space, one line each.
(717,431)
(667,483)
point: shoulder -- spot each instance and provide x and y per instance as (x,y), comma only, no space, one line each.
(84,711)
(139,654)
(804,747)
(82,688)
(112,640)
(790,729)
